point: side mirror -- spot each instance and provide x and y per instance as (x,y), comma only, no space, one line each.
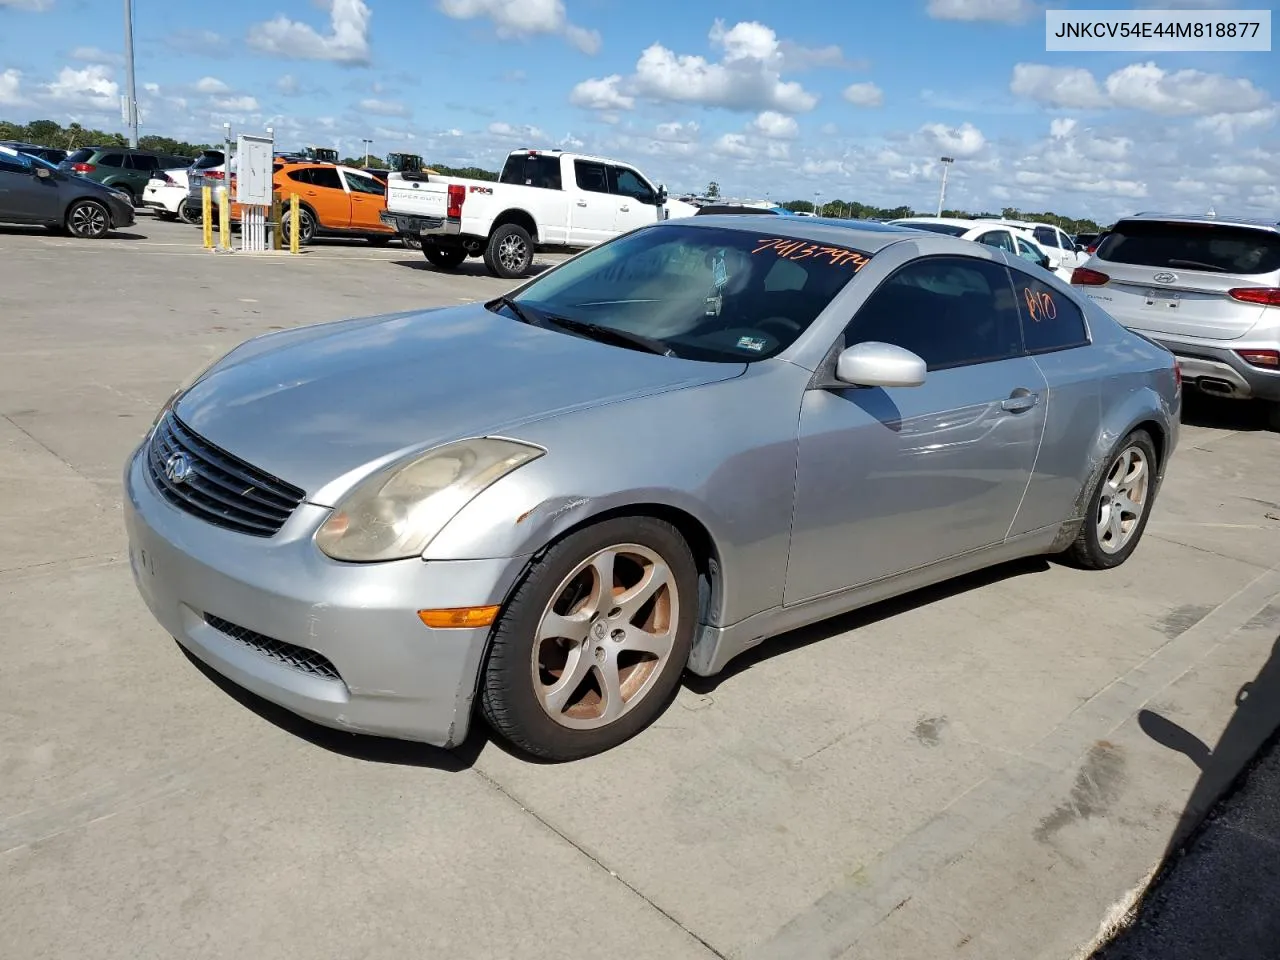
(43,173)
(662,193)
(875,364)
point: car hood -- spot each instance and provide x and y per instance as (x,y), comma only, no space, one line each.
(319,406)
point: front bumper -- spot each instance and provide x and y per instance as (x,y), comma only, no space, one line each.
(1219,370)
(421,226)
(122,214)
(390,676)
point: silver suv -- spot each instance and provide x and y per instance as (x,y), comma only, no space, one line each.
(1208,288)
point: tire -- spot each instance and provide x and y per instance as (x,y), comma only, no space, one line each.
(306,226)
(509,253)
(166,216)
(445,258)
(1104,541)
(540,711)
(190,213)
(88,220)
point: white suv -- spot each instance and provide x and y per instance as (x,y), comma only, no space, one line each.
(1207,288)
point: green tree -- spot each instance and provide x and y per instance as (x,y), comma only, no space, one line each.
(713,190)
(466,173)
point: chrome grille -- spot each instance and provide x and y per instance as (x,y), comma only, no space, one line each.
(218,487)
(298,658)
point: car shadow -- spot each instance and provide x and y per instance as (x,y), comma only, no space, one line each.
(1217,413)
(469,268)
(358,746)
(864,617)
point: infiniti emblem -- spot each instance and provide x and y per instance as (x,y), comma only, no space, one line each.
(178,468)
(1165,277)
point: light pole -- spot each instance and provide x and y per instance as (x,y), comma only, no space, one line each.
(942,194)
(131,108)
(367,142)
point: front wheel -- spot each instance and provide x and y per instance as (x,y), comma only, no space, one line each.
(88,219)
(1119,507)
(591,646)
(306,227)
(446,258)
(509,254)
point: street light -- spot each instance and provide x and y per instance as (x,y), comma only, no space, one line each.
(131,107)
(942,194)
(366,141)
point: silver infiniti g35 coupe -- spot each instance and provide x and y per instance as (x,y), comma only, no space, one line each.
(649,459)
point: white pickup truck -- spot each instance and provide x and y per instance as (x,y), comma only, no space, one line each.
(544,199)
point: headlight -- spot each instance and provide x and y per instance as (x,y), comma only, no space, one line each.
(395,513)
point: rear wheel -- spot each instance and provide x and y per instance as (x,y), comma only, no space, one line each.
(1119,507)
(445,258)
(88,219)
(190,213)
(306,227)
(509,253)
(591,645)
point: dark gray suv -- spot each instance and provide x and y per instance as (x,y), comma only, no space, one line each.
(34,191)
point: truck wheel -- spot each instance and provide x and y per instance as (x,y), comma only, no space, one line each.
(510,252)
(446,258)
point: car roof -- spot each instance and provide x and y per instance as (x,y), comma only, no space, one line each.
(951,221)
(8,149)
(865,235)
(1202,218)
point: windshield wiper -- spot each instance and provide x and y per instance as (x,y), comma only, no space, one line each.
(621,337)
(521,313)
(1195,265)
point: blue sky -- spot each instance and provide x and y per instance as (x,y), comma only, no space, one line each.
(854,99)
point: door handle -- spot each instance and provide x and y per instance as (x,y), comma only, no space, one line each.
(624,208)
(1020,400)
(582,203)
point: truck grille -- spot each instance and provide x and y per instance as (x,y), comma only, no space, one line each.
(291,655)
(209,483)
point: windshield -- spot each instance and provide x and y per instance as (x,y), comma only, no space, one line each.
(1217,248)
(717,294)
(950,229)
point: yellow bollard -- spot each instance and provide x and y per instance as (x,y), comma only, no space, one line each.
(224,219)
(206,216)
(293,223)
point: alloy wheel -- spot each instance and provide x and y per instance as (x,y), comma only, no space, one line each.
(1123,500)
(512,252)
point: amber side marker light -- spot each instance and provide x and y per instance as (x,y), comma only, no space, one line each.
(459,617)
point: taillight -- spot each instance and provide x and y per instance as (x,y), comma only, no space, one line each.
(457,194)
(214,175)
(1084,277)
(1266,296)
(83,167)
(1261,358)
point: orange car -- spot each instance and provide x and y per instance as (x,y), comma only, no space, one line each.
(333,201)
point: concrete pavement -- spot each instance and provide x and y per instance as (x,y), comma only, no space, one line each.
(959,773)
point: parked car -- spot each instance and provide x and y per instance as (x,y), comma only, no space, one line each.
(544,199)
(168,194)
(126,169)
(1002,236)
(51,154)
(715,209)
(35,191)
(1208,288)
(703,433)
(1064,253)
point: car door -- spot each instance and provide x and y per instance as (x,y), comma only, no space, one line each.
(367,199)
(637,200)
(140,167)
(25,197)
(322,190)
(892,479)
(594,207)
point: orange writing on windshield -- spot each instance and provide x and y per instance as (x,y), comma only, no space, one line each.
(1039,305)
(789,249)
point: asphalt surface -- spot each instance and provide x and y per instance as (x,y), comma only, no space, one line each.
(970,771)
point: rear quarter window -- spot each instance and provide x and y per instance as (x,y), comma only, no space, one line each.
(1050,320)
(1216,248)
(80,156)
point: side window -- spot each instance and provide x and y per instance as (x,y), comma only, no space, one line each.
(998,238)
(591,177)
(533,170)
(1046,236)
(138,161)
(1050,321)
(14,164)
(627,183)
(326,177)
(111,160)
(1026,251)
(1065,242)
(950,311)
(363,184)
(301,176)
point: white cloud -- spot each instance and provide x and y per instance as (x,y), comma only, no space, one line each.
(965,140)
(151,88)
(747,77)
(775,126)
(525,133)
(1230,126)
(288,85)
(1062,127)
(244,104)
(36,6)
(211,85)
(602,93)
(732,145)
(93,54)
(864,94)
(384,108)
(11,87)
(347,43)
(796,56)
(1140,86)
(674,132)
(518,19)
(87,88)
(1003,11)
(829,129)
